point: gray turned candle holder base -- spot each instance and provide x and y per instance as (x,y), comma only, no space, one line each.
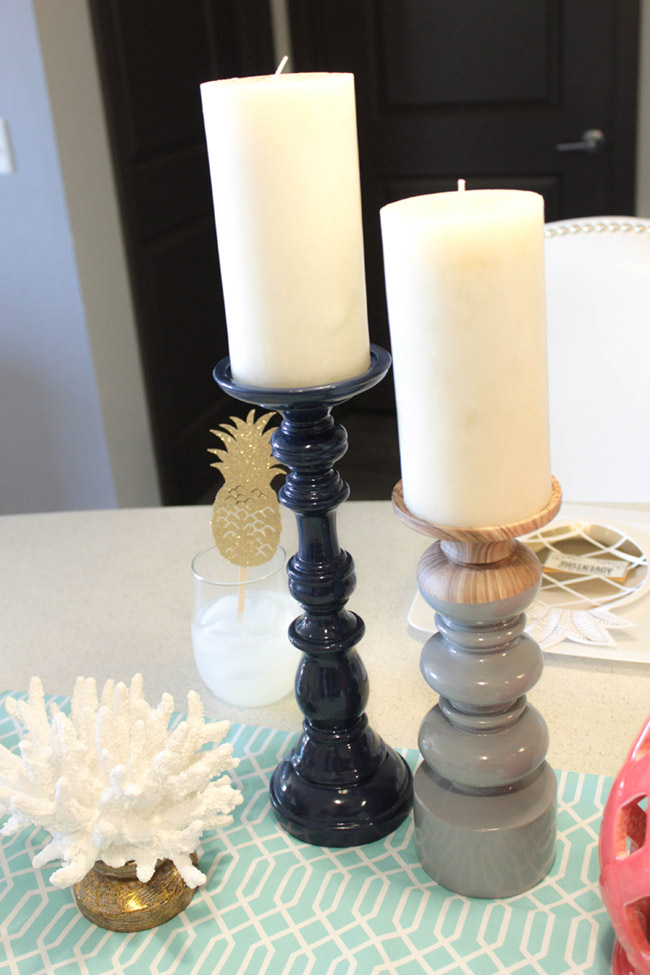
(485,845)
(484,796)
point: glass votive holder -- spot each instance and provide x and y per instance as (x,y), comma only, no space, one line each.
(239,629)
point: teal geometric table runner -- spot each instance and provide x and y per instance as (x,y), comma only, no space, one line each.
(275,906)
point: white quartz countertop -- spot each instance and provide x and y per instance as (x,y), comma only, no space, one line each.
(108,594)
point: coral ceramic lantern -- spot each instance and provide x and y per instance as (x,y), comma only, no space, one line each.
(625,860)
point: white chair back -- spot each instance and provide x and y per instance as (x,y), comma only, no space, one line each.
(598,309)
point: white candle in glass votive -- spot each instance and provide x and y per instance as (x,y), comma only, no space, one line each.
(285,183)
(466,302)
(246,659)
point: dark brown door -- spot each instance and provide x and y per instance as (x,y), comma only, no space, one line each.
(153,55)
(480,89)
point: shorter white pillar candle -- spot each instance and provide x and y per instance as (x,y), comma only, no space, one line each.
(466,302)
(285,183)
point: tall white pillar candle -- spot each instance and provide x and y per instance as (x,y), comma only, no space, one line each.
(285,183)
(466,301)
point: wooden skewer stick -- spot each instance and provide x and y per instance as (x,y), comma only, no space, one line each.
(242,592)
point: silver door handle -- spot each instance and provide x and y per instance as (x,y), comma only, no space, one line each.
(591,141)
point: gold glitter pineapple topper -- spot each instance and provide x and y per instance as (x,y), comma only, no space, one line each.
(246,512)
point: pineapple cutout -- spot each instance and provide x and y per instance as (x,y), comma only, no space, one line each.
(246,512)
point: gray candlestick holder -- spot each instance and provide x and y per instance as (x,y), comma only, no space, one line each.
(484,796)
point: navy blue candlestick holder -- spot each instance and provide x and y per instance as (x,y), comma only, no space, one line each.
(341,785)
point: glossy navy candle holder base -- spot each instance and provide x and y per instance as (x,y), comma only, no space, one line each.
(341,785)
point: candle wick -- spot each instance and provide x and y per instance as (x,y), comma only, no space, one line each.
(280,68)
(461,185)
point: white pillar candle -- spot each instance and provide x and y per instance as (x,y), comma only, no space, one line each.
(285,183)
(466,302)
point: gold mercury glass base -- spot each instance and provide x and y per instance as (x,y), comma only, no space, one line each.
(114,898)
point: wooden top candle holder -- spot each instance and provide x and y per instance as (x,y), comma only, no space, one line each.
(484,796)
(456,569)
(494,533)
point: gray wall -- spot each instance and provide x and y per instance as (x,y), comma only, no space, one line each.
(52,442)
(84,154)
(74,431)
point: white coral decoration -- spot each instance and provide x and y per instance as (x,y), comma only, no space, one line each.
(113,783)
